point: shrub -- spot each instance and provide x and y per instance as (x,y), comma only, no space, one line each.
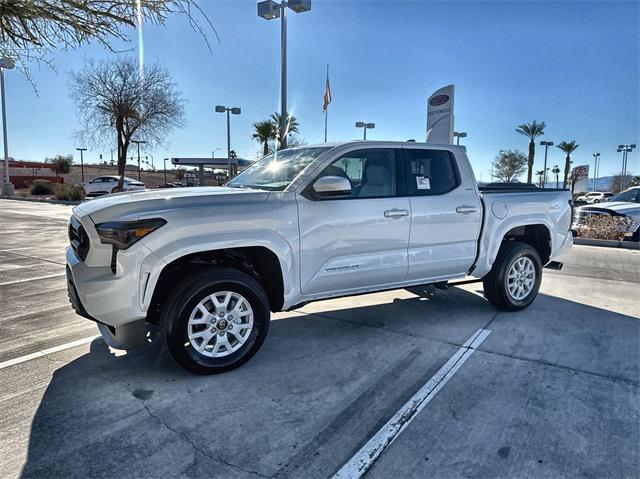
(41,187)
(68,192)
(606,227)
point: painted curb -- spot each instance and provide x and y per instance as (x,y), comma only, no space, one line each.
(607,243)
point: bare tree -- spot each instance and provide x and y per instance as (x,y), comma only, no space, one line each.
(31,29)
(116,98)
(508,165)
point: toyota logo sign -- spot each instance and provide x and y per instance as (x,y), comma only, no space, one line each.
(439,100)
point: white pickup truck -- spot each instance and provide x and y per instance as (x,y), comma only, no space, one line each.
(209,264)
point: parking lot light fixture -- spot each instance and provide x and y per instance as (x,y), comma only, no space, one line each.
(624,149)
(137,142)
(458,135)
(7,187)
(270,10)
(596,161)
(81,150)
(236,111)
(365,126)
(546,145)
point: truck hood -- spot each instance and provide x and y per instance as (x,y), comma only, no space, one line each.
(131,205)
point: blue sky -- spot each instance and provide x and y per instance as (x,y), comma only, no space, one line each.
(574,65)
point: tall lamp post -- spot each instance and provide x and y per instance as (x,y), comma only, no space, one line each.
(137,142)
(546,145)
(235,111)
(270,10)
(625,149)
(458,135)
(81,150)
(366,126)
(165,171)
(596,164)
(7,187)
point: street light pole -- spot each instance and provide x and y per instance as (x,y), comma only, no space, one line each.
(365,126)
(81,150)
(236,111)
(137,142)
(269,10)
(596,159)
(625,149)
(283,77)
(546,145)
(165,171)
(7,187)
(458,135)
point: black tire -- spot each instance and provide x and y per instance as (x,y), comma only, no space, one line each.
(495,283)
(177,309)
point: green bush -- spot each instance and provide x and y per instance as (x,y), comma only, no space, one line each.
(41,187)
(68,192)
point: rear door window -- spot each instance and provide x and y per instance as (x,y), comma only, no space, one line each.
(430,172)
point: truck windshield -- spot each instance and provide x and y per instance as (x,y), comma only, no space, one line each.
(274,172)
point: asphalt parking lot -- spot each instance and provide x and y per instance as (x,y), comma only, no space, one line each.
(552,391)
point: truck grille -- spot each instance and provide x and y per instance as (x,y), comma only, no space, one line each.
(78,239)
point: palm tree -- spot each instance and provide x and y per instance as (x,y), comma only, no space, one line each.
(264,131)
(568,147)
(556,171)
(531,131)
(282,127)
(540,174)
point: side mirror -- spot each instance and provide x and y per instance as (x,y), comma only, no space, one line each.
(332,186)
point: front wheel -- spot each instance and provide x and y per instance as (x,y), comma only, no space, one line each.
(215,320)
(515,277)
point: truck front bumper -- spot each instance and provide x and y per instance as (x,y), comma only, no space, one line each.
(97,294)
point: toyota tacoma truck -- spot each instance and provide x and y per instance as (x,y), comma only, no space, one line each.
(208,265)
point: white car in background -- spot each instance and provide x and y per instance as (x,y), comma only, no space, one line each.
(595,197)
(103,185)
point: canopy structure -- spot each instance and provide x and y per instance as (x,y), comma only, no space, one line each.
(218,163)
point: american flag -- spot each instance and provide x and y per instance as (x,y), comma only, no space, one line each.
(327,94)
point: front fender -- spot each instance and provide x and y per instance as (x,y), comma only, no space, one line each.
(227,240)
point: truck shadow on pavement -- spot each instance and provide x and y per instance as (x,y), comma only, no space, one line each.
(324,381)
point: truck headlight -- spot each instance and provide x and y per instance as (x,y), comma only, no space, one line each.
(123,234)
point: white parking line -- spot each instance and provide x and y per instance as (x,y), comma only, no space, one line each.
(45,352)
(360,463)
(32,279)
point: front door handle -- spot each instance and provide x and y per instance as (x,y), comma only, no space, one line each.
(396,213)
(466,209)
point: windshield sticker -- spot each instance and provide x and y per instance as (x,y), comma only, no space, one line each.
(423,183)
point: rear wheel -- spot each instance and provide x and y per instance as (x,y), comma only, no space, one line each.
(515,277)
(215,320)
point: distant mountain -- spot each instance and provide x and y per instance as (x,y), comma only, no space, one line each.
(603,184)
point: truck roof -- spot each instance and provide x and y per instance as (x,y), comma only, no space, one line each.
(386,143)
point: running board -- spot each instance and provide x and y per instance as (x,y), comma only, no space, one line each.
(557,265)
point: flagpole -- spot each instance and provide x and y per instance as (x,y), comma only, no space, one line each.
(326,111)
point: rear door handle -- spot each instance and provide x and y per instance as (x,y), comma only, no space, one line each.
(466,209)
(396,213)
